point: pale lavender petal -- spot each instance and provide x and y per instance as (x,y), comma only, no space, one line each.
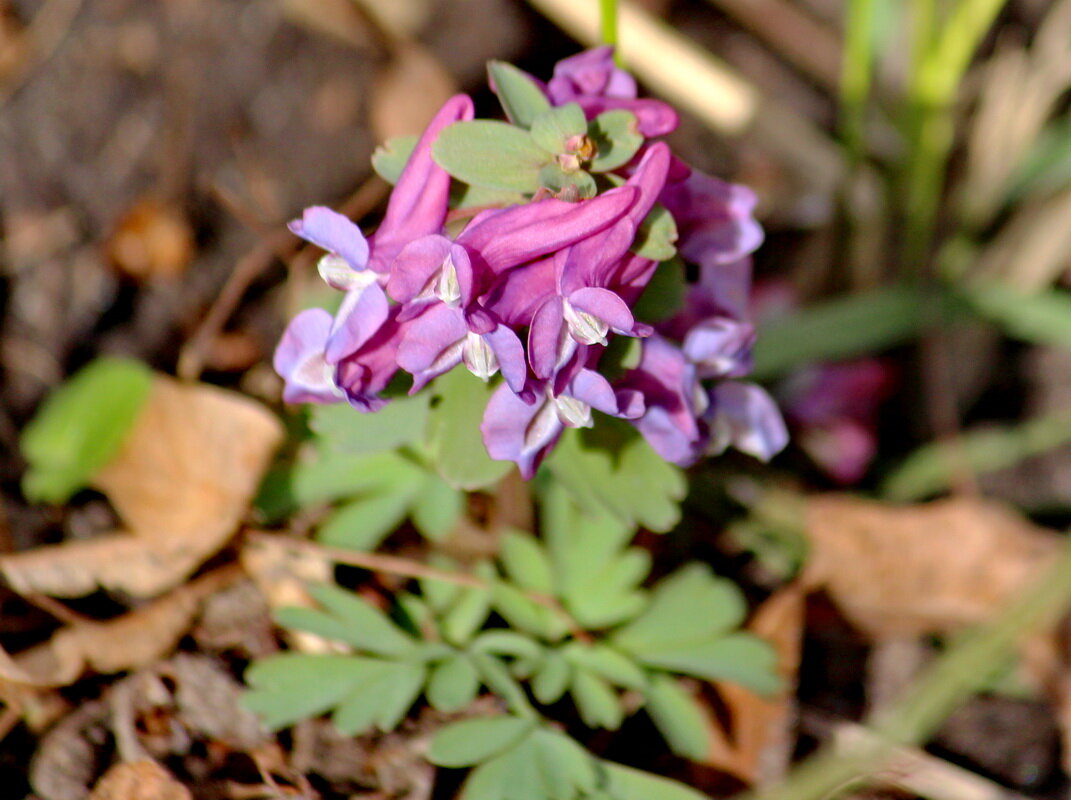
(299,359)
(418,203)
(516,431)
(546,339)
(843,449)
(366,373)
(653,117)
(333,232)
(720,347)
(519,292)
(714,219)
(606,306)
(661,431)
(591,72)
(523,233)
(362,313)
(592,388)
(431,344)
(744,416)
(510,354)
(416,265)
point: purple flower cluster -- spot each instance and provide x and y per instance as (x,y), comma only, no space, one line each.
(536,291)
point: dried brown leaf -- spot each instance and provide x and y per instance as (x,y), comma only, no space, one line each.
(181,483)
(139,780)
(127,642)
(759,749)
(924,569)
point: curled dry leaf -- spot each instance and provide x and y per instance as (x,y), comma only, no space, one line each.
(181,483)
(759,749)
(925,569)
(127,642)
(139,780)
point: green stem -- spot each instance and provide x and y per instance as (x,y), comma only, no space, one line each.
(951,680)
(608,22)
(856,76)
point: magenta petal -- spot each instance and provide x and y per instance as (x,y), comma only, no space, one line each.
(520,292)
(744,416)
(720,347)
(523,233)
(363,375)
(419,200)
(653,117)
(545,338)
(592,388)
(595,261)
(667,439)
(431,343)
(415,265)
(605,306)
(591,72)
(333,232)
(510,354)
(299,359)
(649,178)
(361,315)
(516,431)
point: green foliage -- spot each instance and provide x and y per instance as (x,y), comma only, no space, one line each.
(553,129)
(521,98)
(81,426)
(1042,318)
(655,238)
(611,469)
(616,139)
(454,443)
(839,329)
(401,422)
(933,467)
(492,154)
(390,158)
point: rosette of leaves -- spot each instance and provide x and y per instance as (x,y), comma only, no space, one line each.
(416,458)
(581,626)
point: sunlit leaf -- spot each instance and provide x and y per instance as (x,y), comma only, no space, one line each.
(453,684)
(656,236)
(627,783)
(362,523)
(598,704)
(81,426)
(521,97)
(343,428)
(553,129)
(472,741)
(739,658)
(616,137)
(436,508)
(290,687)
(678,718)
(390,158)
(454,440)
(492,154)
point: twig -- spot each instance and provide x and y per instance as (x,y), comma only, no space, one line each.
(393,565)
(249,267)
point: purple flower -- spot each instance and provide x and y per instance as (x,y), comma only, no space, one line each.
(443,337)
(299,359)
(591,80)
(744,416)
(525,433)
(714,219)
